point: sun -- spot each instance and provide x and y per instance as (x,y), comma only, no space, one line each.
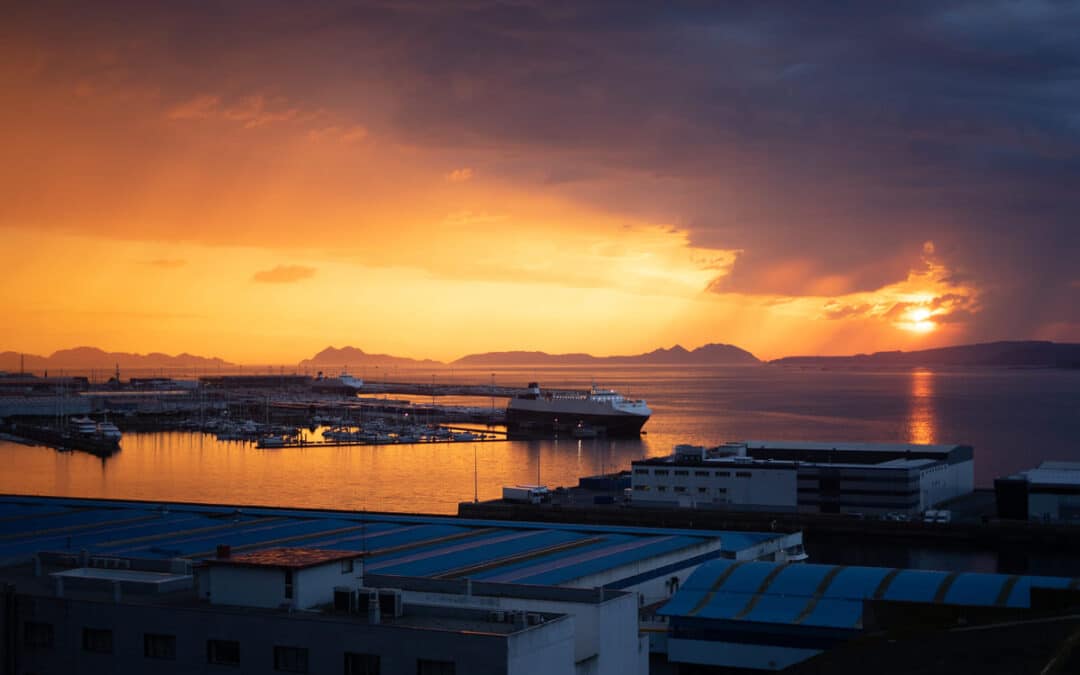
(917,320)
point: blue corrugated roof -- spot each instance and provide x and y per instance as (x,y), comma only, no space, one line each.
(406,544)
(832,596)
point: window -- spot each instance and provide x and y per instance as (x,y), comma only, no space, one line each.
(346,566)
(288,584)
(37,635)
(361,664)
(661,488)
(429,667)
(723,474)
(660,472)
(98,640)
(703,490)
(721,491)
(701,473)
(682,472)
(743,474)
(224,652)
(159,646)
(641,488)
(290,659)
(679,488)
(641,472)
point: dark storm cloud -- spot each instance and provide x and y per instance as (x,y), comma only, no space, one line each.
(828,138)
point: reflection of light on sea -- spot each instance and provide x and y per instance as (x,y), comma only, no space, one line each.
(921,420)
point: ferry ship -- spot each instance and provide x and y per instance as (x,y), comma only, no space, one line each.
(344,383)
(606,411)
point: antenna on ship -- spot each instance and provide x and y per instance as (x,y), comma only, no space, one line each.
(475,482)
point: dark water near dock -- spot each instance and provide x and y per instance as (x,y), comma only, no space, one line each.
(1013,418)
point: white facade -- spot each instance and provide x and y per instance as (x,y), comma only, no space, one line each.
(266,586)
(720,482)
(809,477)
(605,638)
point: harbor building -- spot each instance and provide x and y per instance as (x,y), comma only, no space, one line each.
(870,478)
(335,622)
(195,574)
(1049,492)
(760,616)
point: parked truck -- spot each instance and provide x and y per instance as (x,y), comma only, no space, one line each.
(528,494)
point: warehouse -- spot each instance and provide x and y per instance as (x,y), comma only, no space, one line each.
(871,478)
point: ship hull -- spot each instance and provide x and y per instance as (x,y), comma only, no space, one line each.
(546,423)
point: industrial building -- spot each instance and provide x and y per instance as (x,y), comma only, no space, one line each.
(122,582)
(870,478)
(1049,492)
(769,616)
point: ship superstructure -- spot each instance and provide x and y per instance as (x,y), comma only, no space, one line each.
(605,411)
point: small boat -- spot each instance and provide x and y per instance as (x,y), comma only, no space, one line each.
(271,441)
(109,431)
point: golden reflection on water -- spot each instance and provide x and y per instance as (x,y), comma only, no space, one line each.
(921,419)
(194,467)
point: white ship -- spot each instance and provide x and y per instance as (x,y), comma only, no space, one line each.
(604,410)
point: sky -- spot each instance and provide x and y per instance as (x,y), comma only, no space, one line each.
(258,180)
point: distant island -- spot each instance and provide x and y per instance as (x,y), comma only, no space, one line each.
(1017,354)
(710,354)
(332,357)
(92,358)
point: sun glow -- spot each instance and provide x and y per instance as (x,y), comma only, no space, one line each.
(918,320)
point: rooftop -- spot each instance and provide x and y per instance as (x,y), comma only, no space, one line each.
(831,596)
(849,446)
(407,545)
(286,558)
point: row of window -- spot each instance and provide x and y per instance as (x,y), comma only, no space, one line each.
(706,474)
(39,635)
(679,488)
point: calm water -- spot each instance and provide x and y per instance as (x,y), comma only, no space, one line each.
(1014,419)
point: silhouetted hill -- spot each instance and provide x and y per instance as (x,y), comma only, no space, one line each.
(332,357)
(1025,354)
(710,354)
(92,358)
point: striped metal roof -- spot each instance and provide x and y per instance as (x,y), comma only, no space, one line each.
(408,545)
(832,595)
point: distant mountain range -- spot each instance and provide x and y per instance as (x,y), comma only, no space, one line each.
(710,354)
(1024,354)
(92,358)
(332,357)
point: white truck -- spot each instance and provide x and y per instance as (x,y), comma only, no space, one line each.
(529,494)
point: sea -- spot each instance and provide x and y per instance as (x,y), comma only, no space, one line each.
(1014,419)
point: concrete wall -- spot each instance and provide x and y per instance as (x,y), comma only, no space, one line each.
(941,483)
(259,587)
(707,484)
(1053,506)
(327,639)
(604,634)
(315,585)
(245,586)
(539,649)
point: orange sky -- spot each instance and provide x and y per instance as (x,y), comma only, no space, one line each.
(246,217)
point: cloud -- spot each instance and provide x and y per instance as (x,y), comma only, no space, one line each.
(337,133)
(201,107)
(834,141)
(167,263)
(460,175)
(257,111)
(284,274)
